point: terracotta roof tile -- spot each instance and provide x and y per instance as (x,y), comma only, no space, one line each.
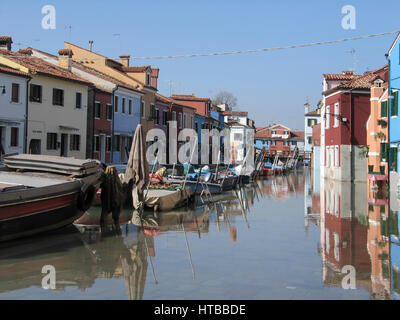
(40,66)
(235,113)
(189,97)
(313,113)
(135,69)
(9,70)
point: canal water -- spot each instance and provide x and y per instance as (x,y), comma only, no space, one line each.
(287,237)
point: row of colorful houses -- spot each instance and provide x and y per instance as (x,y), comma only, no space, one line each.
(82,104)
(356,136)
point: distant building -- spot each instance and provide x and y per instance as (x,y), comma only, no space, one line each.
(279,139)
(311,118)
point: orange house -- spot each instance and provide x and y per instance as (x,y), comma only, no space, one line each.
(377,133)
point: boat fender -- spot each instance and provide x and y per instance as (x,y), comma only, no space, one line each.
(85,197)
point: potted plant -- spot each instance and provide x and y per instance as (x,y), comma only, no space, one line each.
(382,123)
(370,168)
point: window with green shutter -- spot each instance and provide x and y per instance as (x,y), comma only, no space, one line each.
(393,159)
(395,104)
(383,153)
(384,109)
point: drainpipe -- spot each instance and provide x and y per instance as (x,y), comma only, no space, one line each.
(25,147)
(112,122)
(389,109)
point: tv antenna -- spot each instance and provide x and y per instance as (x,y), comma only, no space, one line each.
(70,31)
(353,53)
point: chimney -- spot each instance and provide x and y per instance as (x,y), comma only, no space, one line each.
(65,58)
(154,77)
(5,42)
(90,45)
(124,59)
(350,73)
(306,108)
(26,51)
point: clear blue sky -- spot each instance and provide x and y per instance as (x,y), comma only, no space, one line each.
(272,86)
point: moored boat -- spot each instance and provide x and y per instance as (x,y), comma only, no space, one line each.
(38,199)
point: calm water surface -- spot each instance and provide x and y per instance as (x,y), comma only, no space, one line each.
(280,238)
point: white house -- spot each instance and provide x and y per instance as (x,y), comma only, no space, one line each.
(57,104)
(311,118)
(13,107)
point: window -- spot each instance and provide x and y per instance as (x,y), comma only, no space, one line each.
(130,107)
(117,143)
(273,143)
(14,137)
(336,120)
(75,141)
(157,116)
(286,143)
(337,156)
(191,122)
(97,110)
(116,104)
(35,93)
(184,121)
(384,109)
(108,144)
(123,106)
(309,140)
(327,118)
(58,97)
(78,100)
(152,111)
(142,109)
(109,112)
(273,132)
(96,143)
(15,92)
(395,104)
(148,79)
(237,136)
(173,116)
(180,120)
(51,141)
(311,122)
(165,118)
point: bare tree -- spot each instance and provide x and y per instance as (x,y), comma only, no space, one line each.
(225,97)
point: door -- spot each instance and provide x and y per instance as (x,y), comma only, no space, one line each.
(103,148)
(123,149)
(2,144)
(64,145)
(35,146)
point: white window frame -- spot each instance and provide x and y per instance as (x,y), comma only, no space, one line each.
(336,112)
(95,116)
(327,117)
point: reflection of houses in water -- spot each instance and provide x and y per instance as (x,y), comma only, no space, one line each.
(311,201)
(282,187)
(344,232)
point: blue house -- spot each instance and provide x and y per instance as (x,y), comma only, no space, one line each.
(394,120)
(126,106)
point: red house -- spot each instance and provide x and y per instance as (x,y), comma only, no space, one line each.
(343,127)
(202,105)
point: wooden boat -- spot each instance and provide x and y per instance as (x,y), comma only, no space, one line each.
(42,193)
(164,199)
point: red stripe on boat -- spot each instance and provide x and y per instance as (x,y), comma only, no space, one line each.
(18,210)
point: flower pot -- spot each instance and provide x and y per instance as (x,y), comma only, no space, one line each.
(370,168)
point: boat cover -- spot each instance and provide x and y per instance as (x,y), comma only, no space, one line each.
(162,199)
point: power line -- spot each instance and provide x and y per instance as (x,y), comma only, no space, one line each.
(238,51)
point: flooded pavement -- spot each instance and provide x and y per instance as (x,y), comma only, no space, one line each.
(287,237)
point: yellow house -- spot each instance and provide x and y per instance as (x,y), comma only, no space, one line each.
(141,78)
(57,104)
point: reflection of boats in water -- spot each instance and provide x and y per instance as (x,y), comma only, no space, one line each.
(79,258)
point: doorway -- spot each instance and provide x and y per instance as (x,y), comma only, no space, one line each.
(2,142)
(64,145)
(35,146)
(103,148)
